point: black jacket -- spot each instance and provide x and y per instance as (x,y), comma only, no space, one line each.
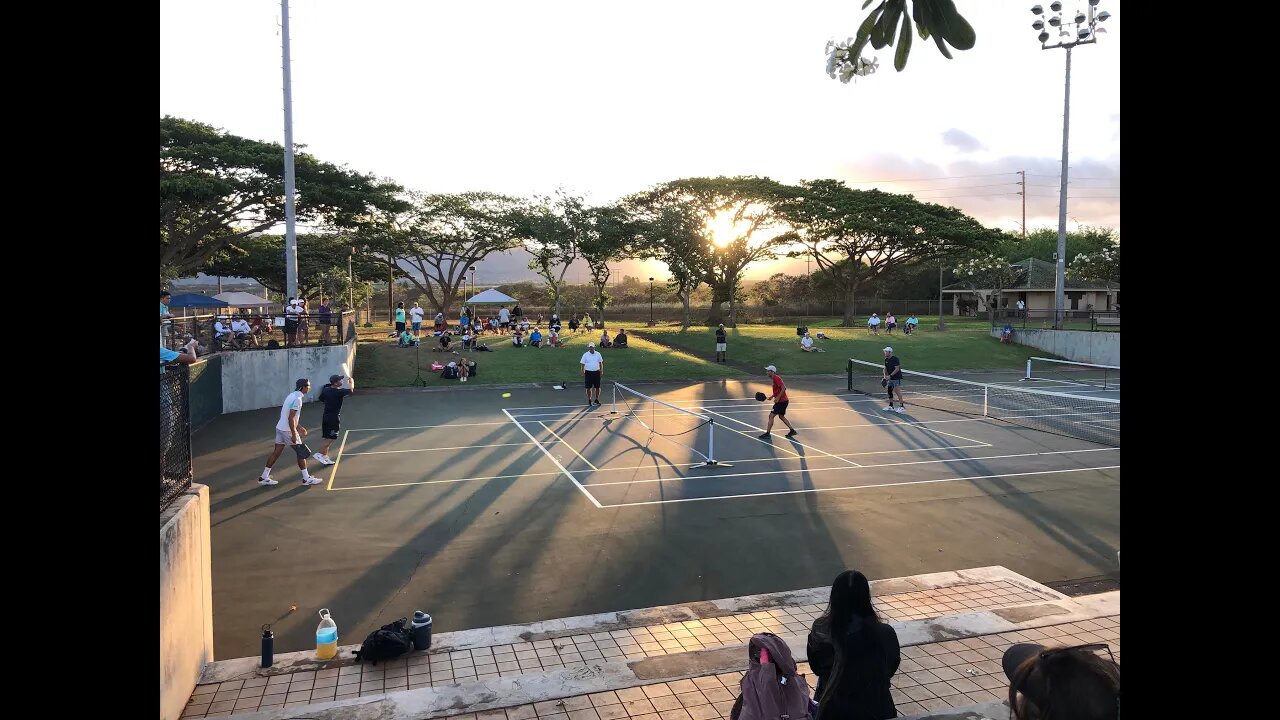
(871,657)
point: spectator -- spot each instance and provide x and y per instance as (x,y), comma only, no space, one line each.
(516,313)
(415,319)
(304,322)
(407,339)
(464,369)
(873,323)
(467,339)
(291,313)
(325,313)
(806,344)
(535,339)
(1006,334)
(555,323)
(399,318)
(517,337)
(187,356)
(242,333)
(553,338)
(586,322)
(445,339)
(605,342)
(1022,309)
(504,319)
(222,333)
(1069,682)
(464,319)
(260,328)
(853,654)
(573,323)
(493,324)
(912,322)
(890,323)
(722,345)
(439,323)
(165,297)
(621,340)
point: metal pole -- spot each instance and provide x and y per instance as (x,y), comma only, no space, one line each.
(1059,291)
(941,325)
(290,210)
(711,442)
(351,282)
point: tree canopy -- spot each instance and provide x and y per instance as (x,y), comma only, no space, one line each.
(320,258)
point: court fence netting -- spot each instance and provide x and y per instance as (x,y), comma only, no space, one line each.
(1071,372)
(1094,419)
(175,434)
(691,430)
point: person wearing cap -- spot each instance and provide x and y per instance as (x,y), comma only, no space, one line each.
(242,332)
(806,344)
(893,379)
(332,396)
(290,432)
(1068,682)
(222,332)
(592,371)
(873,323)
(780,403)
(292,312)
(722,345)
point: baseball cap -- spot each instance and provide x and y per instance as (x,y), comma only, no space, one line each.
(770,368)
(301,383)
(335,378)
(591,344)
(888,349)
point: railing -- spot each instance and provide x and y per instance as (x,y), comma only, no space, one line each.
(175,434)
(638,314)
(266,332)
(1042,319)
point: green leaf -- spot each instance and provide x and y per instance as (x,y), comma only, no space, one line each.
(860,41)
(942,46)
(951,26)
(868,2)
(904,45)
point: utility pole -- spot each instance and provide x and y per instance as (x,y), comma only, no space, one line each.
(290,208)
(1023,193)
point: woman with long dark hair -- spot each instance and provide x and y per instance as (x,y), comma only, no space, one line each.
(853,654)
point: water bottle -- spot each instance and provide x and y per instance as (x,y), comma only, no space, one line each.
(326,637)
(421,630)
(268,646)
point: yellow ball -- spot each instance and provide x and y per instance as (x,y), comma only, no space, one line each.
(506,395)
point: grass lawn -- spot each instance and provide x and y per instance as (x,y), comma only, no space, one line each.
(380,363)
(960,347)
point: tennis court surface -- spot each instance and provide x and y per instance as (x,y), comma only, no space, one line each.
(489,510)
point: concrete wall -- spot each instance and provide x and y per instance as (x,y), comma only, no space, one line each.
(186,599)
(1093,347)
(206,390)
(262,378)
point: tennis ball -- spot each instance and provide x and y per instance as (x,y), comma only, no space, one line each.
(506,395)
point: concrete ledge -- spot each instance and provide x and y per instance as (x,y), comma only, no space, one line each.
(186,599)
(1078,345)
(982,711)
(242,668)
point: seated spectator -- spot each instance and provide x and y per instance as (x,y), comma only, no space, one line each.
(890,322)
(1070,682)
(468,340)
(463,369)
(535,338)
(222,333)
(445,339)
(605,340)
(573,323)
(873,324)
(493,325)
(517,337)
(1006,334)
(620,341)
(586,322)
(553,338)
(439,323)
(555,323)
(849,638)
(806,344)
(260,328)
(407,339)
(912,322)
(243,334)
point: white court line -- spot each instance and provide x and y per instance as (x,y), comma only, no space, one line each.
(442,482)
(553,459)
(566,444)
(430,449)
(766,442)
(925,429)
(864,487)
(422,427)
(866,467)
(334,474)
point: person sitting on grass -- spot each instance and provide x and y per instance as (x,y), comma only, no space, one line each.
(517,337)
(573,323)
(806,344)
(1006,334)
(621,340)
(535,338)
(463,369)
(553,338)
(468,340)
(912,322)
(873,324)
(445,339)
(407,339)
(605,341)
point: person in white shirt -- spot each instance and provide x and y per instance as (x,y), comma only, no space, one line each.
(222,332)
(289,431)
(292,314)
(806,344)
(592,371)
(874,324)
(415,317)
(504,319)
(1021,308)
(243,335)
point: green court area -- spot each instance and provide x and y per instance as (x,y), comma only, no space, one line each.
(383,364)
(959,347)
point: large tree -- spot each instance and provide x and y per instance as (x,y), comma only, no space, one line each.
(739,213)
(673,231)
(444,235)
(320,259)
(855,236)
(217,188)
(552,231)
(609,238)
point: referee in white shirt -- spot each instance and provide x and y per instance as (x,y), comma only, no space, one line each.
(592,371)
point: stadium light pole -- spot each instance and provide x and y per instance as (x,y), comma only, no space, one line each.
(1086,32)
(290,207)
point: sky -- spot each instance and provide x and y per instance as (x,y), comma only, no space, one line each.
(609,98)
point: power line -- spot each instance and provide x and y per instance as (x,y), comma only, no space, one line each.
(945,177)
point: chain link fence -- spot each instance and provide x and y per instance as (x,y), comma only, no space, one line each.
(175,434)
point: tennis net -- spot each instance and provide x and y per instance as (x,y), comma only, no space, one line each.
(1095,419)
(692,430)
(1070,372)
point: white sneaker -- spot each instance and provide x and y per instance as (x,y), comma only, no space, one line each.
(268,481)
(890,408)
(313,480)
(901,409)
(328,460)
(464,379)
(319,458)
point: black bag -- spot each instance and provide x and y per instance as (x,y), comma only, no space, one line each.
(449,373)
(800,331)
(388,642)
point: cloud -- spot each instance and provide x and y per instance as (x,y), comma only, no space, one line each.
(961,140)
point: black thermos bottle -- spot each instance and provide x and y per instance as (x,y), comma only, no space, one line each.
(268,646)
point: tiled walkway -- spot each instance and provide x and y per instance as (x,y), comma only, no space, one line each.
(440,669)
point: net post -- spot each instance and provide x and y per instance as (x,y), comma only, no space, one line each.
(711,441)
(986,390)
(849,367)
(1028,377)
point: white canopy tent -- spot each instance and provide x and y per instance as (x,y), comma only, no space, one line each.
(491,297)
(242,299)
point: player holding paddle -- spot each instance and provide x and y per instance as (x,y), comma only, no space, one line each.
(779,397)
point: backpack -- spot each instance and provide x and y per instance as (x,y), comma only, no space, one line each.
(771,690)
(387,642)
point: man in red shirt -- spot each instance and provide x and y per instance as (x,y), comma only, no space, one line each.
(780,402)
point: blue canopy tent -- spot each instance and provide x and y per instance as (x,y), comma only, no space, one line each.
(195,300)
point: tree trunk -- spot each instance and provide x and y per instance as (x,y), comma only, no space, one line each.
(684,299)
(850,309)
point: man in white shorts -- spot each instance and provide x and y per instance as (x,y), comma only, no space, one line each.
(290,432)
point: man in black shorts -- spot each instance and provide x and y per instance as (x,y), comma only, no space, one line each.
(332,396)
(592,372)
(780,402)
(893,379)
